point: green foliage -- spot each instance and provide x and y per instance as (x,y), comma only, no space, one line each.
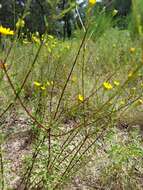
(100,23)
(123,162)
(135,24)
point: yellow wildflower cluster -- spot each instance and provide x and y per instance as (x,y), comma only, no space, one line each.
(50,42)
(6,31)
(109,86)
(42,86)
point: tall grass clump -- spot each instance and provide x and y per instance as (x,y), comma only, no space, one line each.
(75,93)
(136,18)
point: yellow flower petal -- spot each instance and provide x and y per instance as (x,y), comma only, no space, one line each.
(37,83)
(130,74)
(132,50)
(140,101)
(115,11)
(107,85)
(134,88)
(117,83)
(80,98)
(6,31)
(52,82)
(43,88)
(92,2)
(122,102)
(48,83)
(74,79)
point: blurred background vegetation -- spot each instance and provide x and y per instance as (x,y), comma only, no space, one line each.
(58,17)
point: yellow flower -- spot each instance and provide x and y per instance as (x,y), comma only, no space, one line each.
(37,33)
(48,83)
(80,98)
(52,82)
(115,11)
(110,102)
(37,83)
(3,65)
(92,2)
(140,101)
(20,23)
(134,88)
(132,50)
(43,88)
(122,102)
(35,39)
(130,74)
(68,47)
(107,85)
(74,79)
(116,83)
(141,84)
(6,31)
